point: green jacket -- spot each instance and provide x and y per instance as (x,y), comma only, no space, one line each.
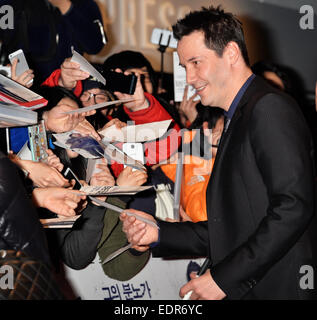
(126,265)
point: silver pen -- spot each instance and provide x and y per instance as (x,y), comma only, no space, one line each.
(116,253)
(119,210)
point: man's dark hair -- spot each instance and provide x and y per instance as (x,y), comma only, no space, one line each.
(219,29)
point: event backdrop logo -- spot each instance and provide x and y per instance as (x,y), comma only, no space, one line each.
(6,277)
(307,280)
(306,22)
(6,17)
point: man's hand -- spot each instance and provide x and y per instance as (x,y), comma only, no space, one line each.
(70,74)
(86,128)
(25,78)
(138,233)
(118,123)
(114,133)
(57,121)
(188,107)
(103,177)
(58,200)
(203,288)
(127,177)
(54,161)
(139,100)
(183,216)
(43,175)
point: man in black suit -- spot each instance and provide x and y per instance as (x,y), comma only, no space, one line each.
(260,197)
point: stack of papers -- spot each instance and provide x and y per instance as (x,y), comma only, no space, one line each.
(60,222)
(14,93)
(12,115)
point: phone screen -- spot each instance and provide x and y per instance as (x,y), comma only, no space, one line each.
(117,81)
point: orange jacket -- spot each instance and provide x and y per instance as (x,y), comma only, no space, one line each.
(196,174)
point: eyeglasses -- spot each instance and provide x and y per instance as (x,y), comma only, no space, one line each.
(98,97)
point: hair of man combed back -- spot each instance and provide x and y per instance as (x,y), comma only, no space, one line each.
(219,29)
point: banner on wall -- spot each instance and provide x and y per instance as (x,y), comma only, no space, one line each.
(160,279)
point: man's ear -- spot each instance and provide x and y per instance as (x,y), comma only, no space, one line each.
(232,52)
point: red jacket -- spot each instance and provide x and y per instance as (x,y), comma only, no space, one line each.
(52,81)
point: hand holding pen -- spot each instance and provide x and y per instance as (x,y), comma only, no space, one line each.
(202,270)
(202,286)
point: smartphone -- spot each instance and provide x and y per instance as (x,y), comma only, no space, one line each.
(69,175)
(134,150)
(22,65)
(117,81)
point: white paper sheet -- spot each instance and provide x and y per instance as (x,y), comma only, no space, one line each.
(136,133)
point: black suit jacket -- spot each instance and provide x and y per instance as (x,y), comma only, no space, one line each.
(260,202)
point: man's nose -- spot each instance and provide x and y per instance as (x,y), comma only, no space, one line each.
(190,76)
